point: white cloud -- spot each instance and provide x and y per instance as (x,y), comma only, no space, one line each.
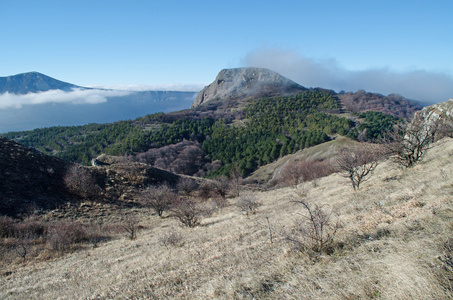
(428,87)
(76,96)
(156,87)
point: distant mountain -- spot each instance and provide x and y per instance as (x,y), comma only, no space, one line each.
(34,100)
(246,83)
(232,88)
(32,82)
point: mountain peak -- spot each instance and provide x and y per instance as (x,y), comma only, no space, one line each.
(247,83)
(32,82)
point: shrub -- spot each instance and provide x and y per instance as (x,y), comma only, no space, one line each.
(248,204)
(79,181)
(158,198)
(130,226)
(7,227)
(187,212)
(302,171)
(315,232)
(220,186)
(187,185)
(171,238)
(61,235)
(206,190)
(358,164)
(408,143)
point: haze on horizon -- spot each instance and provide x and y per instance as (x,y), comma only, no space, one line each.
(385,46)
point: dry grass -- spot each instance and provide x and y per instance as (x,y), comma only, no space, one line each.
(390,247)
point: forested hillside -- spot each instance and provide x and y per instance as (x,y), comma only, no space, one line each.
(263,131)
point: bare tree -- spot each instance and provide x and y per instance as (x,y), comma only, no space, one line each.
(408,142)
(79,181)
(158,198)
(358,164)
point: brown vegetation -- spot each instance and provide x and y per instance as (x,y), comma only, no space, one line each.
(394,243)
(408,142)
(358,164)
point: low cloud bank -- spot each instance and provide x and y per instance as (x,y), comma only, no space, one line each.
(76,96)
(425,86)
(156,87)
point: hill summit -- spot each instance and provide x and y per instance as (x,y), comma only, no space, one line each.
(247,83)
(32,82)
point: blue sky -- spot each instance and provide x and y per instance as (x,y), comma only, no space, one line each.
(382,46)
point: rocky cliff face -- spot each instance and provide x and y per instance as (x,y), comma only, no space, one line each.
(440,111)
(247,83)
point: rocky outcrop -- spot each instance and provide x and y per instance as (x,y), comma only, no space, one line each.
(247,83)
(441,113)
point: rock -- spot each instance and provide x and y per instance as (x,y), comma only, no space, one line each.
(247,83)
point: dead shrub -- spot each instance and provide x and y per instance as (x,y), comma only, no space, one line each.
(315,232)
(206,190)
(248,204)
(172,238)
(358,164)
(7,227)
(187,185)
(295,173)
(407,143)
(130,226)
(188,212)
(62,235)
(79,181)
(221,186)
(158,198)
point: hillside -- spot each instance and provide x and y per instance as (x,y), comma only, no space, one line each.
(35,183)
(231,125)
(29,180)
(394,243)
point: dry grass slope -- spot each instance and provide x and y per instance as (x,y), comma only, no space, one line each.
(390,247)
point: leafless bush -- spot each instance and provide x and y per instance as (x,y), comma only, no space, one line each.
(61,235)
(7,226)
(248,203)
(221,185)
(235,182)
(79,181)
(315,232)
(187,185)
(206,190)
(302,171)
(187,212)
(158,198)
(171,238)
(130,226)
(445,269)
(407,143)
(358,164)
